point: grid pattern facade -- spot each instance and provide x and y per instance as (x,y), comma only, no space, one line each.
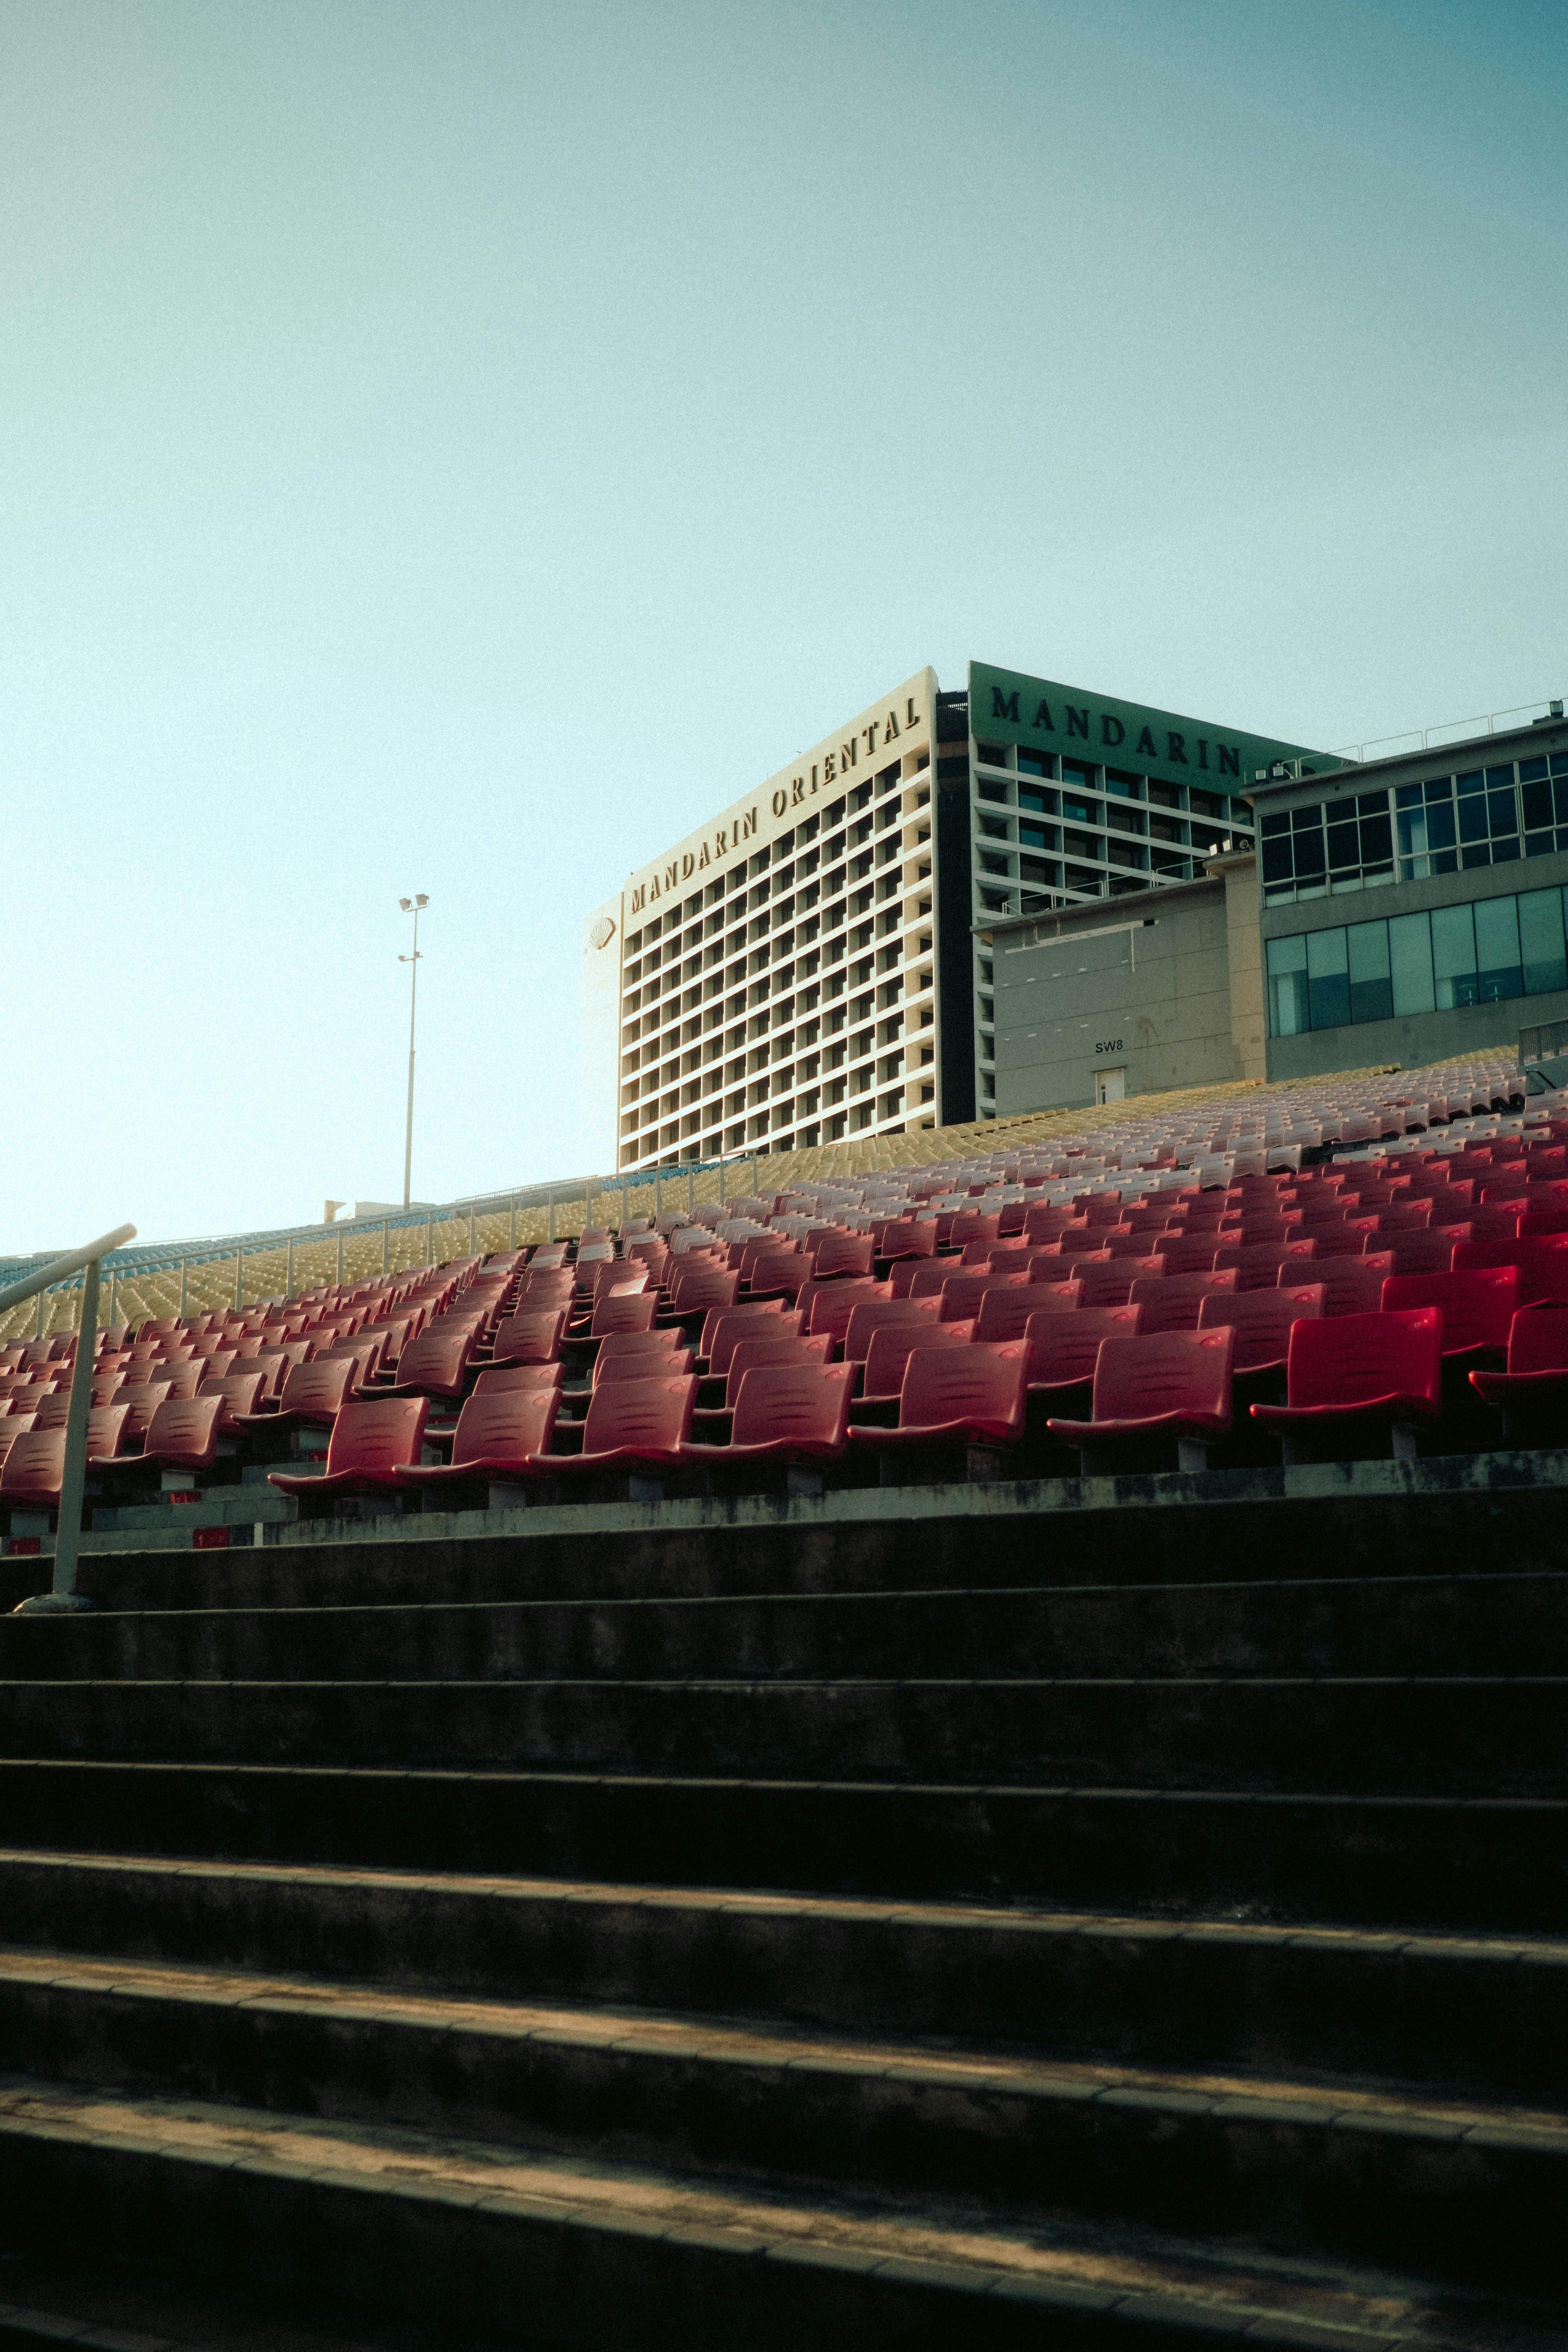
(790,1001)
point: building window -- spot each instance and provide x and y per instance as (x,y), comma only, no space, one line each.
(1486,951)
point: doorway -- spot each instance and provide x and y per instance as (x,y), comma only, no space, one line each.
(1110,1085)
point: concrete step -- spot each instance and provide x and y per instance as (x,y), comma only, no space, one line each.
(1478,2016)
(1485,1512)
(1431,1625)
(1390,1736)
(1460,1864)
(1459,2190)
(363,2221)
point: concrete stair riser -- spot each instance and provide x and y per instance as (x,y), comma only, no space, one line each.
(1463,1864)
(1467,2193)
(1482,2018)
(1388,1738)
(1448,1625)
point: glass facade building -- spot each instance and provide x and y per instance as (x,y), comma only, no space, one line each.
(1466,848)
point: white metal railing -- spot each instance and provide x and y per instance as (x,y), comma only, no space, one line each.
(1415,739)
(63,1594)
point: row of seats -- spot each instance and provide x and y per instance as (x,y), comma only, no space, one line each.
(918,1318)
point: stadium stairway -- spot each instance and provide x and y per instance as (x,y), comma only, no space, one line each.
(1017,1915)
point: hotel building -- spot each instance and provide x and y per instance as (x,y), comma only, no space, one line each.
(814,963)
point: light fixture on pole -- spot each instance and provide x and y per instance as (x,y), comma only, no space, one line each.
(411,907)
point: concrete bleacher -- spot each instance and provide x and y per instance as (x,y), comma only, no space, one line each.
(1019,1901)
(1003,1918)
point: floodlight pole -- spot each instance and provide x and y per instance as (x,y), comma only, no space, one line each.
(411,907)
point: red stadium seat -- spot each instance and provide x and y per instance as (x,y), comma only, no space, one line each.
(1065,1349)
(776,1272)
(1348,1376)
(371,1442)
(311,1396)
(1172,1388)
(960,1296)
(1261,1321)
(972,1396)
(638,1427)
(1257,1266)
(238,1391)
(1171,1302)
(837,1255)
(625,1310)
(497,1436)
(1543,1265)
(436,1363)
(1194,1253)
(794,1415)
(1477,1307)
(496,1379)
(1430,1251)
(529,1337)
(1350,1285)
(183,1435)
(833,1304)
(869,1315)
(891,1346)
(1535,1384)
(140,1400)
(724,1326)
(1113,1285)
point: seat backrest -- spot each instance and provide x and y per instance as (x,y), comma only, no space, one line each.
(839,1253)
(376,1434)
(1261,1321)
(971,1226)
(496,1377)
(985,1384)
(320,1386)
(1478,1306)
(439,1354)
(614,1273)
(238,1391)
(1538,1338)
(664,1366)
(655,1414)
(1164,1371)
(1429,1250)
(533,1337)
(1349,1360)
(1049,1297)
(52,1409)
(902,1237)
(623,1310)
(1543,1265)
(183,1425)
(1005,1308)
(785,1347)
(1063,1347)
(1258,1257)
(506,1424)
(1350,1285)
(1193,1254)
(960,1296)
(1171,1302)
(892,1345)
(702,1283)
(34,1466)
(723,1325)
(831,1307)
(652,1347)
(140,1402)
(106,1425)
(793,1403)
(868,1315)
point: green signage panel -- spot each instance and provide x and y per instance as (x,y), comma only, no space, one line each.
(1044,716)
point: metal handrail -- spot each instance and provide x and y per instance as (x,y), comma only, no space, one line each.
(63,1594)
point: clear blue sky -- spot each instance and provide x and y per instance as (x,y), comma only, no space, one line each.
(454,447)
